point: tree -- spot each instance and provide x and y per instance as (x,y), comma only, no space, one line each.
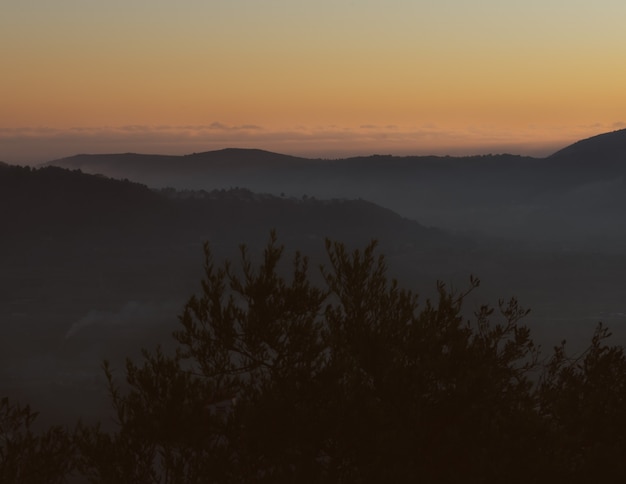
(583,402)
(278,380)
(29,457)
(352,379)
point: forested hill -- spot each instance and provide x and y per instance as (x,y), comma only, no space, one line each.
(56,200)
(207,170)
(606,147)
(58,203)
(97,268)
(566,199)
(598,157)
(76,247)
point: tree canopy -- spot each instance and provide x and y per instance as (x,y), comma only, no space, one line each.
(279,378)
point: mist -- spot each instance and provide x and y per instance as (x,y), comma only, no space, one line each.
(101,252)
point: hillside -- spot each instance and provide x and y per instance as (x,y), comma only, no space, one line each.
(598,157)
(97,268)
(606,147)
(571,198)
(56,202)
(94,267)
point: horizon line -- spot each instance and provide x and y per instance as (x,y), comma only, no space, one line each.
(36,146)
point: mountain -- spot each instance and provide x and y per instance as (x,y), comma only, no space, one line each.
(70,239)
(570,198)
(604,148)
(97,268)
(422,188)
(60,202)
(600,156)
(210,169)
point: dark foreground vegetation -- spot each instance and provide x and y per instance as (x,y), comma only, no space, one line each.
(349,379)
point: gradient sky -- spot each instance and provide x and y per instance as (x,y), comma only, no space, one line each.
(316,78)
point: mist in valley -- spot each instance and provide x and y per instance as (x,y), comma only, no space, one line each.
(101,252)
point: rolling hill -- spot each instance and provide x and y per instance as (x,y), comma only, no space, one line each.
(95,268)
(571,198)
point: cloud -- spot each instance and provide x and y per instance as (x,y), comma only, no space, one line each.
(225,127)
(132,314)
(32,145)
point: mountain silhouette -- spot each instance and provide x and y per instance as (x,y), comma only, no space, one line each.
(56,202)
(606,147)
(599,157)
(565,198)
(110,262)
(596,154)
(155,169)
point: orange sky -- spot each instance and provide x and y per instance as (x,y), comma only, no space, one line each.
(317,78)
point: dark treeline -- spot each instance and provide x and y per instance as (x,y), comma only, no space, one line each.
(353,378)
(56,203)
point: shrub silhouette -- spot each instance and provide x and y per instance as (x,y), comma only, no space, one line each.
(27,456)
(278,379)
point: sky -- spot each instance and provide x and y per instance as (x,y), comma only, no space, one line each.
(320,78)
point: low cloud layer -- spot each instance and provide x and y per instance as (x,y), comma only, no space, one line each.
(32,145)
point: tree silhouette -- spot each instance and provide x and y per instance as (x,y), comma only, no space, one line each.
(583,402)
(276,379)
(27,456)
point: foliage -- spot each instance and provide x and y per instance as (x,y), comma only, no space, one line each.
(583,401)
(278,379)
(27,456)
(353,381)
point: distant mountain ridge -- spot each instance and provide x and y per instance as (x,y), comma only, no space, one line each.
(230,158)
(605,146)
(600,157)
(569,195)
(606,152)
(95,267)
(79,250)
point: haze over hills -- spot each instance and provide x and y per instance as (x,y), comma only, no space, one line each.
(95,267)
(556,200)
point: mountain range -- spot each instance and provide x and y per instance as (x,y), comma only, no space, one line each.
(565,198)
(94,267)
(99,252)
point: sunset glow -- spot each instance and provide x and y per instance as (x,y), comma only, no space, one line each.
(324,78)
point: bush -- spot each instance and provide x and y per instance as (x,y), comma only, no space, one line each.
(277,379)
(29,457)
